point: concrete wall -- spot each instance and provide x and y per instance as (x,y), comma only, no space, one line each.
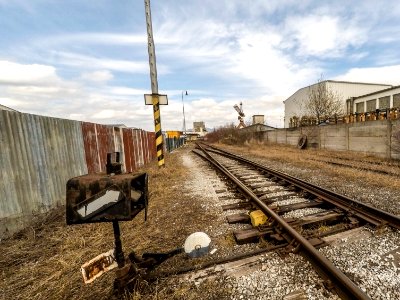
(374,137)
(39,154)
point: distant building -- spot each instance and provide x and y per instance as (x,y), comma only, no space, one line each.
(382,99)
(192,136)
(344,89)
(257,128)
(174,134)
(199,128)
(258,119)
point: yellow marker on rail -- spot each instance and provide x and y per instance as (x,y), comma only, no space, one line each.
(258,218)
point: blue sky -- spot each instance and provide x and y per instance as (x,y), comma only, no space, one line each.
(87,60)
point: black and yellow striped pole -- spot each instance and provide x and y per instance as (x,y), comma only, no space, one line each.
(154,99)
(157,125)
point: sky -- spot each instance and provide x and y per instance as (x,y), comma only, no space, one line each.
(88,60)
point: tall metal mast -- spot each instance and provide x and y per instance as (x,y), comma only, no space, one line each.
(154,85)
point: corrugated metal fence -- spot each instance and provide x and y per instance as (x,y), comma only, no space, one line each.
(39,154)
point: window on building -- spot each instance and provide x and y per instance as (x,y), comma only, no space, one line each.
(396,100)
(371,105)
(384,102)
(360,107)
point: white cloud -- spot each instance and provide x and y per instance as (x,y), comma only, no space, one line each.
(104,114)
(99,38)
(260,59)
(97,76)
(384,75)
(89,62)
(121,90)
(323,34)
(15,73)
(10,102)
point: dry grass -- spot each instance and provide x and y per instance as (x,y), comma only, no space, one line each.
(305,158)
(43,261)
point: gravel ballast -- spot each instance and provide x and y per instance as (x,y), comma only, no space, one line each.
(372,262)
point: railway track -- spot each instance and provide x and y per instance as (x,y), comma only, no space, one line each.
(364,166)
(296,213)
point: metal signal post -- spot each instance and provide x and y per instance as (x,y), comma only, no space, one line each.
(155,97)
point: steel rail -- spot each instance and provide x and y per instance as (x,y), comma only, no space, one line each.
(364,211)
(343,286)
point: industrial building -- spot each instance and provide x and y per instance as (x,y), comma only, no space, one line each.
(199,128)
(258,119)
(257,125)
(382,99)
(344,89)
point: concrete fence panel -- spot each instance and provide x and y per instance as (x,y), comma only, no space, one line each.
(334,137)
(292,136)
(281,136)
(395,140)
(369,137)
(271,136)
(380,138)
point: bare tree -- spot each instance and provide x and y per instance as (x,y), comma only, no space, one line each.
(323,102)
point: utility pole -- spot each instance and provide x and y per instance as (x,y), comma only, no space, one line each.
(184,118)
(154,86)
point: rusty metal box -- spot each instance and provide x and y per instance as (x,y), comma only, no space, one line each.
(105,198)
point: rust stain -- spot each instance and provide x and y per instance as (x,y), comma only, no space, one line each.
(90,145)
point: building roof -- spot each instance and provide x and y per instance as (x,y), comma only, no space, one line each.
(339,81)
(356,82)
(380,91)
(257,127)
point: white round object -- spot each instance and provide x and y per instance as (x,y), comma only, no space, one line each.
(197,244)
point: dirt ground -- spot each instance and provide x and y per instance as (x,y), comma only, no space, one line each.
(43,261)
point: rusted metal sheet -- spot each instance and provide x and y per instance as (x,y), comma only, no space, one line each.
(105,144)
(135,146)
(138,146)
(90,142)
(129,150)
(98,141)
(119,145)
(152,147)
(144,147)
(38,155)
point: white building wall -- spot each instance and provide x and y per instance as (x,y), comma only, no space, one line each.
(345,90)
(376,96)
